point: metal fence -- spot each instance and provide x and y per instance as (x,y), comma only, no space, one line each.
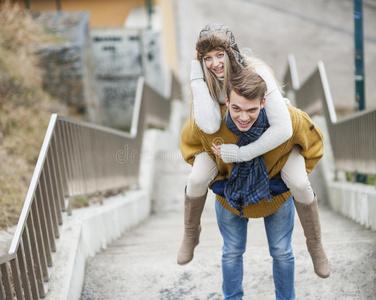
(353,138)
(76,158)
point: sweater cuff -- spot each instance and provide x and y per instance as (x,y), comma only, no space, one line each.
(196,70)
(229,153)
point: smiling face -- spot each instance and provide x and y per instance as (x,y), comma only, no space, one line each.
(244,112)
(215,62)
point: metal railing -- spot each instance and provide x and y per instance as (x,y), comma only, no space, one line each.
(76,158)
(353,138)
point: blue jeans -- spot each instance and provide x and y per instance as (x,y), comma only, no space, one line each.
(279,227)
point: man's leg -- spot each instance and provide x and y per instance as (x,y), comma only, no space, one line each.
(279,227)
(234,232)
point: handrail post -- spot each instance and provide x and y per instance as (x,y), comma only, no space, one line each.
(58,5)
(149,10)
(359,54)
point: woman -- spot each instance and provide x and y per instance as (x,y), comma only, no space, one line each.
(218,56)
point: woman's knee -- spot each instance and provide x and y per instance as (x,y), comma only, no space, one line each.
(203,172)
(299,185)
(198,183)
(294,173)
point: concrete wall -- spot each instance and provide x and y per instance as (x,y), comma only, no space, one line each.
(121,56)
(112,13)
(68,63)
(161,161)
(169,34)
(152,58)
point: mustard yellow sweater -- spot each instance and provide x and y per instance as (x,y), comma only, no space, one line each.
(305,133)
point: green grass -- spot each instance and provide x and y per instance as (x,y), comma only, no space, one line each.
(361,178)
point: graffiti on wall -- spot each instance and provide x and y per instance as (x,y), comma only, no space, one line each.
(117,53)
(121,56)
(117,97)
(153,60)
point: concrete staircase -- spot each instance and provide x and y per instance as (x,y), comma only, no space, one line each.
(142,263)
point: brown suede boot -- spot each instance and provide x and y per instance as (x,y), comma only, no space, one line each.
(309,218)
(193,208)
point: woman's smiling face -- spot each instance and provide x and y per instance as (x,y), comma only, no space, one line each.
(215,62)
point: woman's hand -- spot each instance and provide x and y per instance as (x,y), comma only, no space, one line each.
(196,55)
(216,149)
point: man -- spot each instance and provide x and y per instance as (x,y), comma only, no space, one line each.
(253,189)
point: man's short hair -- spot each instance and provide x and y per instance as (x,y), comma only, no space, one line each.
(247,84)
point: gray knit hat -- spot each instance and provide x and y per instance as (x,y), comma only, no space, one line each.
(219,37)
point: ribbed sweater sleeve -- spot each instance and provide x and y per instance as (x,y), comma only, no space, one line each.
(206,111)
(280,129)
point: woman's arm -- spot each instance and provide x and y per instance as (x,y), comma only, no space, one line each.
(206,111)
(280,129)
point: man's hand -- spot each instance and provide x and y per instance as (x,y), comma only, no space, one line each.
(216,149)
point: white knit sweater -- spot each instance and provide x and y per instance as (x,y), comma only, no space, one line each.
(208,116)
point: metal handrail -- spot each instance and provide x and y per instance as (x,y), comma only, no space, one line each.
(76,158)
(353,138)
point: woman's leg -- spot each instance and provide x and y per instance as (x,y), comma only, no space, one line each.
(203,172)
(234,232)
(279,227)
(295,177)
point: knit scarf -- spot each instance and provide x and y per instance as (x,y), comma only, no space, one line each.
(249,181)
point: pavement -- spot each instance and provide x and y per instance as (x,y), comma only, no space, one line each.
(142,263)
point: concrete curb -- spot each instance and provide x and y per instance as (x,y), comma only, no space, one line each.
(88,231)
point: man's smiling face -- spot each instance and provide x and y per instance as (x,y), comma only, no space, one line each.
(244,112)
